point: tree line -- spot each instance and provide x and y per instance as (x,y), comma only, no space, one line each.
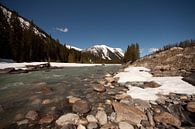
(22,44)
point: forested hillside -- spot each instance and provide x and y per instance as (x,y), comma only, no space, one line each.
(21,40)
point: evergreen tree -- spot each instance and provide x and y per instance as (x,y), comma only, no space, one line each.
(132,53)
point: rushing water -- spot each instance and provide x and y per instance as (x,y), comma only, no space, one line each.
(20,93)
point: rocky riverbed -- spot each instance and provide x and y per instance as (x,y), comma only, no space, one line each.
(106,105)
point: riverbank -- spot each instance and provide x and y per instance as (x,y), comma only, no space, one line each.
(25,67)
(124,100)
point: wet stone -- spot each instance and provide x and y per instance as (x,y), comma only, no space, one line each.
(81,106)
(99,88)
(32,115)
(19,117)
(46,119)
(22,122)
(92,125)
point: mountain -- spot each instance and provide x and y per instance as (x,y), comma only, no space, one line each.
(24,23)
(23,41)
(106,52)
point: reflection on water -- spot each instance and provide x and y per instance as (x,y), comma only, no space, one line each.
(45,90)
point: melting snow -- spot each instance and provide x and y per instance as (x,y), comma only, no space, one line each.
(168,84)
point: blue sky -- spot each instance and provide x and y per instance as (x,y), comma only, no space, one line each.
(117,23)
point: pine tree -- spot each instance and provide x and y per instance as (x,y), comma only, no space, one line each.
(132,53)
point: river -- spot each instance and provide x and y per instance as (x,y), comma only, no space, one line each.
(20,93)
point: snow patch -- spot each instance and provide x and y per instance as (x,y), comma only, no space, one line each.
(168,84)
(76,48)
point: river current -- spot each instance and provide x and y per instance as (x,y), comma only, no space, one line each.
(45,91)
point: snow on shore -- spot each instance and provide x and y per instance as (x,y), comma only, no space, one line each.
(4,65)
(168,84)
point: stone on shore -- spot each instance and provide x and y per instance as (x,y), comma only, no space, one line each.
(81,106)
(167,118)
(128,113)
(81,127)
(101,117)
(91,118)
(69,118)
(125,125)
(191,106)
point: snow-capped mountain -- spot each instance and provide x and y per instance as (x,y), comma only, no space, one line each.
(106,52)
(73,47)
(25,24)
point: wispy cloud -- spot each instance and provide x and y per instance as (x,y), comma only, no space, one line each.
(151,50)
(62,29)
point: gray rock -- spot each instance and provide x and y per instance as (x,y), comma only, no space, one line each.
(32,115)
(128,113)
(81,127)
(81,106)
(92,126)
(22,122)
(99,88)
(109,126)
(69,118)
(101,117)
(150,118)
(69,126)
(125,125)
(72,99)
(91,118)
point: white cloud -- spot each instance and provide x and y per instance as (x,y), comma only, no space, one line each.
(151,50)
(62,29)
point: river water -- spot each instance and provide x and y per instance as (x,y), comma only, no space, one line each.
(20,93)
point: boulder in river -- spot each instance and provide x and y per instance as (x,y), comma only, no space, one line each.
(72,99)
(46,119)
(99,88)
(128,113)
(81,106)
(32,115)
(167,118)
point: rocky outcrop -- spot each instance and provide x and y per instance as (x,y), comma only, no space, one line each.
(174,61)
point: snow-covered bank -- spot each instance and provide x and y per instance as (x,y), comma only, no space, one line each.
(4,65)
(141,74)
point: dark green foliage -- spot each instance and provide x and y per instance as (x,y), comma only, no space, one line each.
(132,53)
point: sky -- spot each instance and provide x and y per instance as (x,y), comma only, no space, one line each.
(116,23)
